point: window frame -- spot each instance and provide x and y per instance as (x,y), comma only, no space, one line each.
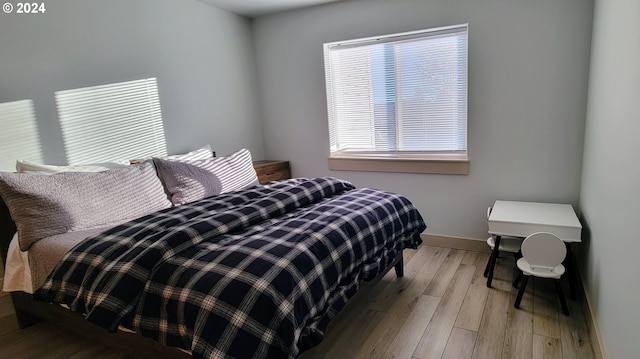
(440,162)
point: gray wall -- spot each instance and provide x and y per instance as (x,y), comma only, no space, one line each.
(202,57)
(528,66)
(610,196)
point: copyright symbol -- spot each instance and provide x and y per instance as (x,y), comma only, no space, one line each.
(7,8)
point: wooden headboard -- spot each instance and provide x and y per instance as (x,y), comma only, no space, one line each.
(7,230)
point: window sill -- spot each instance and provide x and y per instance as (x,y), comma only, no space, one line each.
(401,165)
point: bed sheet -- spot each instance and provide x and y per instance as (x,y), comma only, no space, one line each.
(17,272)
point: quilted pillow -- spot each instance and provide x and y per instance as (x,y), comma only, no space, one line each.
(188,181)
(42,206)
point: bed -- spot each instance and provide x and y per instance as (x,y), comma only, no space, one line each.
(256,272)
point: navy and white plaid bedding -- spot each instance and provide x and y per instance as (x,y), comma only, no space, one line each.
(250,274)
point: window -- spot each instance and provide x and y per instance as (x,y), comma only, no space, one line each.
(120,121)
(399,97)
(19,138)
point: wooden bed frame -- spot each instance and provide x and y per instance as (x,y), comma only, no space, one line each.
(30,311)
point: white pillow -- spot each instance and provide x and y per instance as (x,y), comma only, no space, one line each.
(23,166)
(203,153)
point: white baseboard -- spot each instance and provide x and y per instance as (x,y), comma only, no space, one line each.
(592,325)
(469,244)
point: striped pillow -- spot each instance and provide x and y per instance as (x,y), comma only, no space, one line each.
(43,206)
(188,181)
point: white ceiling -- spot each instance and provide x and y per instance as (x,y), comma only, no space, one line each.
(255,8)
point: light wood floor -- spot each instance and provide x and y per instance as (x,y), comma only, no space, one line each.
(441,308)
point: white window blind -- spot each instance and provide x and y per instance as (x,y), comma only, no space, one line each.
(19,137)
(111,122)
(399,95)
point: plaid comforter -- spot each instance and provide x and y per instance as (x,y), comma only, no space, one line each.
(250,274)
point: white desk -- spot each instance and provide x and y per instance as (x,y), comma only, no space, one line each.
(520,219)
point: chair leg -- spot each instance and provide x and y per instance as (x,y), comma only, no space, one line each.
(518,279)
(492,261)
(486,268)
(521,291)
(563,301)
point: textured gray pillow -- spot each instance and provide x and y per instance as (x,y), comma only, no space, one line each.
(188,181)
(42,206)
(24,166)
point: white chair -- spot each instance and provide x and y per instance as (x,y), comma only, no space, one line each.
(507,244)
(542,256)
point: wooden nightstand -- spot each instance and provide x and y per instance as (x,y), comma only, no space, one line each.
(272,170)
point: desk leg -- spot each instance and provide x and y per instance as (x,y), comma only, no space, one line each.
(492,260)
(571,272)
